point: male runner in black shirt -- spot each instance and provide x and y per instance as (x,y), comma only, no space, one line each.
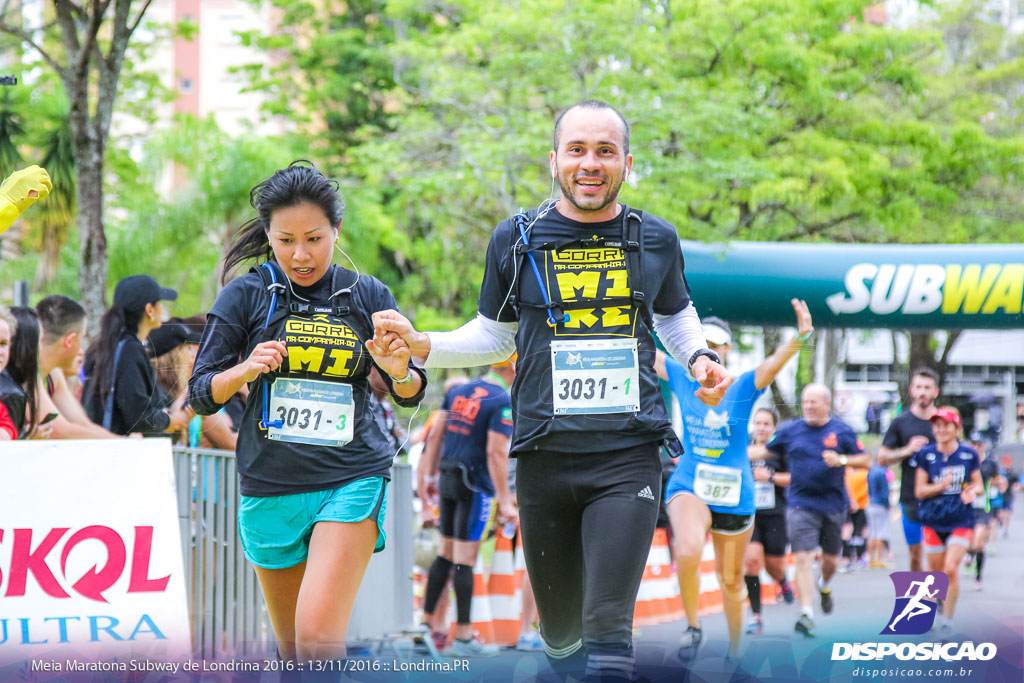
(908,434)
(578,290)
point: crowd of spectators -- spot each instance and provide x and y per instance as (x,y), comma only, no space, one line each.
(131,381)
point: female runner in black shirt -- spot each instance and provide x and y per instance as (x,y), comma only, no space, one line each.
(313,463)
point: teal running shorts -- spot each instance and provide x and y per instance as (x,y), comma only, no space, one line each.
(275,530)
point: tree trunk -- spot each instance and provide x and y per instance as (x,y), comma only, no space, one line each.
(831,341)
(92,241)
(923,355)
(88,71)
(783,406)
(46,269)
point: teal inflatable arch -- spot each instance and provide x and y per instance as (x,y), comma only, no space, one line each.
(875,286)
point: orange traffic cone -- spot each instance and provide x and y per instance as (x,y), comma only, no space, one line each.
(520,566)
(419,588)
(501,585)
(658,587)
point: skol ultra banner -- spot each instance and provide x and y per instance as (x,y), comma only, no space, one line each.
(91,566)
(904,286)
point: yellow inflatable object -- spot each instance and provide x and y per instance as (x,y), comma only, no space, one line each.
(21,190)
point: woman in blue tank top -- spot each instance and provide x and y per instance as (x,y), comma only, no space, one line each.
(712,487)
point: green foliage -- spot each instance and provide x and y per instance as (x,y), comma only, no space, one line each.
(56,144)
(337,56)
(11,130)
(180,241)
(40,134)
(753,120)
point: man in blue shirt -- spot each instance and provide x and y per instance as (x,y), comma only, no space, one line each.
(819,447)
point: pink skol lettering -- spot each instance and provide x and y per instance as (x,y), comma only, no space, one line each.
(96,580)
(140,583)
(25,560)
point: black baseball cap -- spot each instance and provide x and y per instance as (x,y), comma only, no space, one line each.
(135,291)
(167,337)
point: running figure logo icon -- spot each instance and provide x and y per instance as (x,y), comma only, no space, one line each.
(916,606)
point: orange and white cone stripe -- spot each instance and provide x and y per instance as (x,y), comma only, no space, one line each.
(505,600)
(658,598)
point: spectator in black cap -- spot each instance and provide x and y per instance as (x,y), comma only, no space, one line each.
(121,392)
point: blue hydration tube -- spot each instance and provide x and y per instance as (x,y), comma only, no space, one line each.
(266,422)
(521,223)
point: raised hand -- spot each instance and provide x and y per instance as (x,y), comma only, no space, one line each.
(22,188)
(916,443)
(803,317)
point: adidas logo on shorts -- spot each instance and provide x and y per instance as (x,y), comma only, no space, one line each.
(646,493)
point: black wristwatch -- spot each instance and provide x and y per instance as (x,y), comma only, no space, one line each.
(702,352)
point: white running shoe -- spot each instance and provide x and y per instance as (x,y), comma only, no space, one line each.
(530,642)
(470,648)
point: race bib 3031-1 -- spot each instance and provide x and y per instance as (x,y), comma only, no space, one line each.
(595,376)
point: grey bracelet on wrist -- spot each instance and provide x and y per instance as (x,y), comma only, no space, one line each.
(404,380)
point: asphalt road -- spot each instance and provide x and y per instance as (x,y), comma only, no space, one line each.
(864,600)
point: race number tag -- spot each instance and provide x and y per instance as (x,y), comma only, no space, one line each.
(312,411)
(764,495)
(595,376)
(717,485)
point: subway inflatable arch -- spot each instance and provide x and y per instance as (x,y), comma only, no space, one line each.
(850,285)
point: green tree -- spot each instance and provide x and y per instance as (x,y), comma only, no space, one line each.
(181,239)
(55,215)
(86,47)
(11,130)
(753,120)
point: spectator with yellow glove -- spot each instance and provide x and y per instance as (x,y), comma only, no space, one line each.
(21,190)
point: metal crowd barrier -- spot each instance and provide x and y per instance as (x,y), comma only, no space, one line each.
(226,610)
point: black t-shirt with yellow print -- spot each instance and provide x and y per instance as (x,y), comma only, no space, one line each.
(592,279)
(321,347)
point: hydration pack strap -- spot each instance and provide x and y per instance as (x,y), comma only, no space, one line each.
(274,287)
(555,313)
(108,407)
(273,277)
(631,243)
